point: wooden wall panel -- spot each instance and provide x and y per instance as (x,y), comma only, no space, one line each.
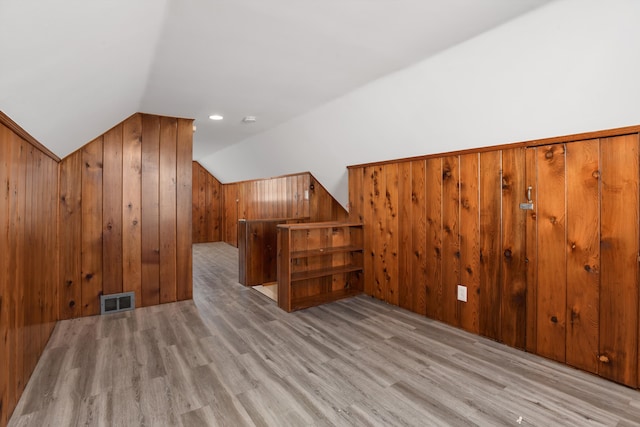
(168,209)
(468,312)
(132,205)
(433,200)
(513,266)
(619,259)
(184,181)
(299,195)
(583,254)
(368,216)
(207,206)
(124,184)
(379,233)
(92,227)
(489,321)
(531,236)
(551,290)
(450,237)
(405,205)
(70,234)
(28,238)
(5,196)
(150,210)
(391,238)
(112,211)
(558,278)
(418,299)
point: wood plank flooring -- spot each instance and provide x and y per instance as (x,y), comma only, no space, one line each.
(231,357)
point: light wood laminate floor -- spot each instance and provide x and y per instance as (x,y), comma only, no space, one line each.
(230,357)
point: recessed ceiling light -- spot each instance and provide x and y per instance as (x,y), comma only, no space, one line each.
(249,119)
(216,117)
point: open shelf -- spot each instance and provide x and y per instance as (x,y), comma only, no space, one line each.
(319,263)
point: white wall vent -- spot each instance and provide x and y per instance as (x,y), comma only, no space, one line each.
(117,302)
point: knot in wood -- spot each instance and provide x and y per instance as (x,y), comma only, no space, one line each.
(548,154)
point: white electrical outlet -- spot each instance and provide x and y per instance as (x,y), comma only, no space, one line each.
(462,293)
(306,194)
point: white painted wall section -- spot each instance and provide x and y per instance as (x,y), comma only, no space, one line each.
(571,66)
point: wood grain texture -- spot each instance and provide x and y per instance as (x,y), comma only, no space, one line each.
(92,267)
(434,203)
(450,237)
(6,146)
(583,254)
(392,237)
(406,287)
(112,193)
(531,230)
(207,206)
(468,313)
(353,362)
(150,210)
(513,265)
(70,232)
(619,259)
(489,321)
(28,246)
(168,209)
(551,289)
(132,205)
(379,233)
(184,217)
(418,238)
(369,229)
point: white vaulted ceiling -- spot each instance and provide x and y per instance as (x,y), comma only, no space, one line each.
(71,69)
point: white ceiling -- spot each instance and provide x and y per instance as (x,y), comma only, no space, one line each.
(71,69)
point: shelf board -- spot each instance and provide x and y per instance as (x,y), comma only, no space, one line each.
(320,225)
(312,274)
(325,251)
(312,301)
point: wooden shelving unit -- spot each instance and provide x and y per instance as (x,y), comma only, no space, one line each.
(318,263)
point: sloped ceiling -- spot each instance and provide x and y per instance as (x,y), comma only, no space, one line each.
(72,69)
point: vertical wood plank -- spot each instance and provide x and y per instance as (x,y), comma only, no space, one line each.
(405,201)
(184,259)
(583,254)
(450,237)
(379,232)
(195,202)
(70,235)
(112,211)
(490,243)
(433,201)
(131,206)
(17,212)
(209,212)
(419,237)
(168,209)
(619,259)
(91,227)
(532,251)
(513,265)
(468,312)
(552,273)
(368,175)
(150,210)
(391,240)
(202,204)
(6,146)
(356,195)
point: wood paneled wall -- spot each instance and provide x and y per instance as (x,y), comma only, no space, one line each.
(125,216)
(207,206)
(28,262)
(298,196)
(560,280)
